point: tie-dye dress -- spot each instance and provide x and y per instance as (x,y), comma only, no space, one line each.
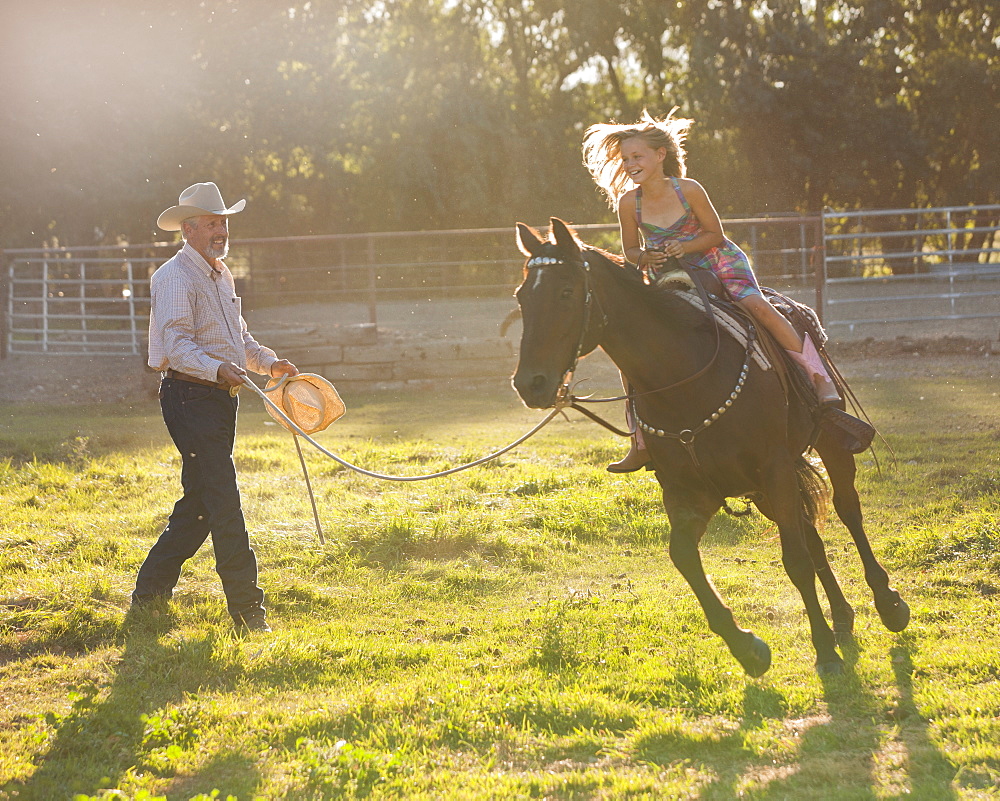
(727,260)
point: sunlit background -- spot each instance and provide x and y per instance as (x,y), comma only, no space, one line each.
(369,115)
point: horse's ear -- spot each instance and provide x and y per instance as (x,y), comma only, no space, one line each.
(565,238)
(529,241)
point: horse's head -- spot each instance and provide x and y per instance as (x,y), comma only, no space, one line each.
(561,320)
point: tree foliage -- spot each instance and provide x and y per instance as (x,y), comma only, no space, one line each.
(359,115)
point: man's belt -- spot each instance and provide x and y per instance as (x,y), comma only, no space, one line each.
(194,380)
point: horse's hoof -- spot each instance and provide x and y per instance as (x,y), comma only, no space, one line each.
(843,627)
(895,617)
(834,667)
(845,639)
(843,621)
(757,657)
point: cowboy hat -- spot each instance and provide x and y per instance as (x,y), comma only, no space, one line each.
(196,201)
(307,399)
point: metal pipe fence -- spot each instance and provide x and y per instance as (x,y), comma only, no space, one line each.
(78,300)
(859,269)
(362,268)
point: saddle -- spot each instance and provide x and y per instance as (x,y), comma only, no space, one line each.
(853,434)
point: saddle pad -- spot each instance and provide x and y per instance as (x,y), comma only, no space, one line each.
(731,326)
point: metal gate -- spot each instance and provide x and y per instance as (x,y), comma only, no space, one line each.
(78,300)
(901,271)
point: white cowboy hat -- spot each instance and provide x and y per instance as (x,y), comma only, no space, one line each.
(309,401)
(196,201)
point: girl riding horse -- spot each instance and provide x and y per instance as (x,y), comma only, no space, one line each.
(718,424)
(663,214)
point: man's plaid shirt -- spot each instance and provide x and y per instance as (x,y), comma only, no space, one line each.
(195,321)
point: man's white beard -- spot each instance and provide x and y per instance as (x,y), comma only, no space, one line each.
(217,253)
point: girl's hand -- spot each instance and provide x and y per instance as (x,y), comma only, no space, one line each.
(674,248)
(653,258)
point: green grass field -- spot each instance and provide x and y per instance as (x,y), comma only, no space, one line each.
(513,631)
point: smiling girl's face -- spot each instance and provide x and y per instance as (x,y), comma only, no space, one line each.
(640,161)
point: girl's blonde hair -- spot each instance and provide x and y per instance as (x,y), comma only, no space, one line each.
(602,149)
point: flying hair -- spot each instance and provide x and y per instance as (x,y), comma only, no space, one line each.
(602,149)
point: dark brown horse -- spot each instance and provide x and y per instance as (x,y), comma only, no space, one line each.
(729,431)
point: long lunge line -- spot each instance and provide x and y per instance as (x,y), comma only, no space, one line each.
(385,476)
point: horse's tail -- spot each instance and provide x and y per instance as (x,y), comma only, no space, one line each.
(812,490)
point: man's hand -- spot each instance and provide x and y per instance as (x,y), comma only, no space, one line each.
(231,375)
(283,367)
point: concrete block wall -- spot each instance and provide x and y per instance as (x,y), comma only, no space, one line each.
(398,365)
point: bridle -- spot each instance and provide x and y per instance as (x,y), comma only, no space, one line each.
(588,305)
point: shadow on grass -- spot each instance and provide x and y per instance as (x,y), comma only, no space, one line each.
(846,757)
(930,772)
(106,736)
(839,755)
(726,754)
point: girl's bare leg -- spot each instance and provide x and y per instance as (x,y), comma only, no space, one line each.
(774,321)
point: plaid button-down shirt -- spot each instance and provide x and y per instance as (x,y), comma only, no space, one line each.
(196,323)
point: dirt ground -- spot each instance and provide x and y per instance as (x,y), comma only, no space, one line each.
(126,379)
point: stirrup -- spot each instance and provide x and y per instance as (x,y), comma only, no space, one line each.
(852,433)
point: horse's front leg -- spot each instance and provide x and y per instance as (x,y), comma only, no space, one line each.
(687,525)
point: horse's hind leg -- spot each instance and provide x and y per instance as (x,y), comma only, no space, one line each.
(841,610)
(840,467)
(686,529)
(786,508)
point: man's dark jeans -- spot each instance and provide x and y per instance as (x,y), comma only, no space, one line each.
(202,423)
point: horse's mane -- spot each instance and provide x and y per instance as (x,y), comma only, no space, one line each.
(662,299)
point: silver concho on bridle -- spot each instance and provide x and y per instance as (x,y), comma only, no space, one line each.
(543,261)
(548,261)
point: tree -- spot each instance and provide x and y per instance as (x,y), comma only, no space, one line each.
(362,115)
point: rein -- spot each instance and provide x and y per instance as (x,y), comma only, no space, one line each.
(298,432)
